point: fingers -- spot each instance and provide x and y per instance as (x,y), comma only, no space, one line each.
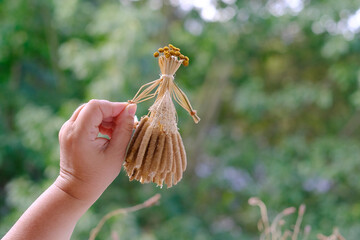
(122,132)
(76,113)
(107,127)
(92,115)
(71,119)
(106,131)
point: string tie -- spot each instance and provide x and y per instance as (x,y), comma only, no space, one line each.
(167,76)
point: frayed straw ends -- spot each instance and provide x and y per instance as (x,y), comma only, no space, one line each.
(155,156)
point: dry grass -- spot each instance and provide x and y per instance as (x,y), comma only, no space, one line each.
(148,203)
(274,230)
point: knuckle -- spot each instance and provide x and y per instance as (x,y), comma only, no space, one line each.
(63,129)
(93,102)
(67,135)
(97,102)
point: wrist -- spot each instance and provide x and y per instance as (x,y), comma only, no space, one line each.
(78,189)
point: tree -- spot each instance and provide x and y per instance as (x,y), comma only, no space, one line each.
(275,83)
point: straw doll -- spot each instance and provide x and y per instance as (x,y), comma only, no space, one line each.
(156,152)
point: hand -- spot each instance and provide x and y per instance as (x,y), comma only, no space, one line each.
(88,163)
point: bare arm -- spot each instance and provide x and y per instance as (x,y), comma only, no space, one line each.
(88,164)
(52,216)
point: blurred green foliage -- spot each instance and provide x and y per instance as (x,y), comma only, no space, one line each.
(275,82)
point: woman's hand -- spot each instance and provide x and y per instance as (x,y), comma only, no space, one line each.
(89,163)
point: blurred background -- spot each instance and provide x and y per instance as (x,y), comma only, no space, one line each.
(276,84)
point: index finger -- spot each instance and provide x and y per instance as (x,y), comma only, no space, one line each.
(94,112)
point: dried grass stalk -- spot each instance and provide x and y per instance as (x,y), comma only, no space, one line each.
(273,231)
(148,203)
(182,152)
(135,142)
(156,152)
(155,163)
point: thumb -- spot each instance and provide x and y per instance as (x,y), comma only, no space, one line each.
(120,138)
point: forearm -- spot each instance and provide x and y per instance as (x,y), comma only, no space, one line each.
(52,216)
(88,165)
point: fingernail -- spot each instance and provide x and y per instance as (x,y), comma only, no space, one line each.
(131,109)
